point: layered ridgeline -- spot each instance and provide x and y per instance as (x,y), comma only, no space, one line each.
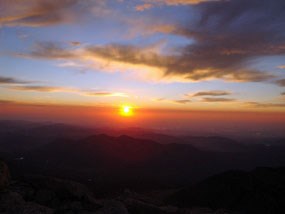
(153,164)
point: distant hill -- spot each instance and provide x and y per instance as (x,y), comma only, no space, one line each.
(151,160)
(259,191)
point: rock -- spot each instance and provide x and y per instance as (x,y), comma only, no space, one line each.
(139,207)
(4,175)
(13,203)
(33,208)
(113,207)
(63,196)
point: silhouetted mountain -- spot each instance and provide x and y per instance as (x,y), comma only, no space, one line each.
(123,159)
(106,163)
(214,143)
(259,191)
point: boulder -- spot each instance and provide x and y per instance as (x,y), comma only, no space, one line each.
(63,196)
(4,175)
(113,207)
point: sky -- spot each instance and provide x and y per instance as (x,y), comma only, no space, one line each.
(168,55)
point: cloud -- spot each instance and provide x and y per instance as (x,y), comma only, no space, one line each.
(182,101)
(4,102)
(105,94)
(265,105)
(38,88)
(281,66)
(229,34)
(143,7)
(52,89)
(224,40)
(179,2)
(75,43)
(226,36)
(11,80)
(213,99)
(152,3)
(210,93)
(281,82)
(146,62)
(36,13)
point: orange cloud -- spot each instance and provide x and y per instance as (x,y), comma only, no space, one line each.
(214,99)
(52,89)
(265,105)
(151,3)
(281,66)
(179,2)
(144,62)
(143,7)
(37,13)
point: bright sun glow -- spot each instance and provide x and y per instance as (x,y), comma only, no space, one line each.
(126,111)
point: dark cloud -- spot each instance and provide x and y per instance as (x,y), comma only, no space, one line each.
(50,50)
(35,13)
(4,102)
(186,65)
(211,93)
(40,88)
(225,38)
(11,80)
(37,88)
(214,99)
(265,105)
(182,101)
(231,33)
(181,66)
(281,82)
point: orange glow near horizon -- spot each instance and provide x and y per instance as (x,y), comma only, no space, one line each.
(126,111)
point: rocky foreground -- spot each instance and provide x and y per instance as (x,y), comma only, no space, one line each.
(46,195)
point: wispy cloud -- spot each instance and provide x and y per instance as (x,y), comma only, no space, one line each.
(147,4)
(143,7)
(75,43)
(214,99)
(227,36)
(281,82)
(223,40)
(4,102)
(39,88)
(281,66)
(209,93)
(265,105)
(182,101)
(176,101)
(37,13)
(147,62)
(52,89)
(104,94)
(11,80)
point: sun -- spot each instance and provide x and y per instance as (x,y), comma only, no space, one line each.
(126,110)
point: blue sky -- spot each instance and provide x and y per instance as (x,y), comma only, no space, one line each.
(148,53)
